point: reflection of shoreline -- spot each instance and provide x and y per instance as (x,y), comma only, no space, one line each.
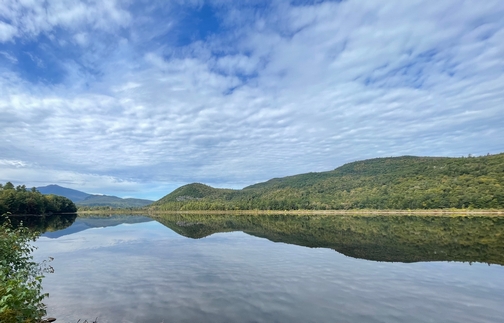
(44,223)
(391,238)
(365,212)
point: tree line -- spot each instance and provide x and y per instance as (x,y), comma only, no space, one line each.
(20,200)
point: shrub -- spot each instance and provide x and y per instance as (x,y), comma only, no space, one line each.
(20,277)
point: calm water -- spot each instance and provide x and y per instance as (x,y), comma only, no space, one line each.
(228,269)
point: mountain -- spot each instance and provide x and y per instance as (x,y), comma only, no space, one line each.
(406,182)
(69,193)
(113,201)
(85,199)
(194,192)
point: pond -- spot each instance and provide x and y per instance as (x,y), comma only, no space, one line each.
(274,268)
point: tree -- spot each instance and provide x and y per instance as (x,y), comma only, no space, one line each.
(8,186)
(23,201)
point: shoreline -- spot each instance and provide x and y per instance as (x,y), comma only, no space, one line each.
(362,212)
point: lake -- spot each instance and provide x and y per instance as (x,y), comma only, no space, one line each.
(273,268)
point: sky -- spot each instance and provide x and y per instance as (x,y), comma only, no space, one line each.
(136,98)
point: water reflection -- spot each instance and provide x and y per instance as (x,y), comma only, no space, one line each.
(43,223)
(88,222)
(146,272)
(380,238)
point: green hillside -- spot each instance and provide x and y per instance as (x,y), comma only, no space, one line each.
(194,192)
(383,183)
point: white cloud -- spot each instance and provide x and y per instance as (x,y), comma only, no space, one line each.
(303,88)
(7,32)
(9,57)
(29,18)
(13,163)
(22,172)
(82,39)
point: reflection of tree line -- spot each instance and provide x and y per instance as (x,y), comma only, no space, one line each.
(380,238)
(44,223)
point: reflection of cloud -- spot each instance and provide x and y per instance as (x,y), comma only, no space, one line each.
(94,238)
(233,99)
(147,273)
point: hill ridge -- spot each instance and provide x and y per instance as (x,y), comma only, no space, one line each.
(405,182)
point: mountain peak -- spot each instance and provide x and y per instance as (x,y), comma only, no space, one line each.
(69,193)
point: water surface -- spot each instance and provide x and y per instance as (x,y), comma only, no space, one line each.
(230,269)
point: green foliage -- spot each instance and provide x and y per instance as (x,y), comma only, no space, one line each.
(20,277)
(383,183)
(194,192)
(19,200)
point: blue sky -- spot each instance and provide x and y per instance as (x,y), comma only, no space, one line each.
(136,98)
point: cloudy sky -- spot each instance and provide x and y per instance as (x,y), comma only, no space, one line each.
(135,98)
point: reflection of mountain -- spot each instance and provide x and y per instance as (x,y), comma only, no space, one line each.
(58,225)
(380,238)
(77,226)
(100,221)
(84,223)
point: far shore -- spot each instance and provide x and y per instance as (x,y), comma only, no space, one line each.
(362,212)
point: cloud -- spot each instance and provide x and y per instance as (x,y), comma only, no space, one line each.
(12,163)
(275,89)
(7,32)
(9,57)
(30,18)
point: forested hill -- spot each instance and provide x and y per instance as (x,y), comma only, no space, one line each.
(383,183)
(20,200)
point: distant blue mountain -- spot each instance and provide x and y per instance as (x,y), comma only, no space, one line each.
(69,193)
(113,201)
(85,199)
